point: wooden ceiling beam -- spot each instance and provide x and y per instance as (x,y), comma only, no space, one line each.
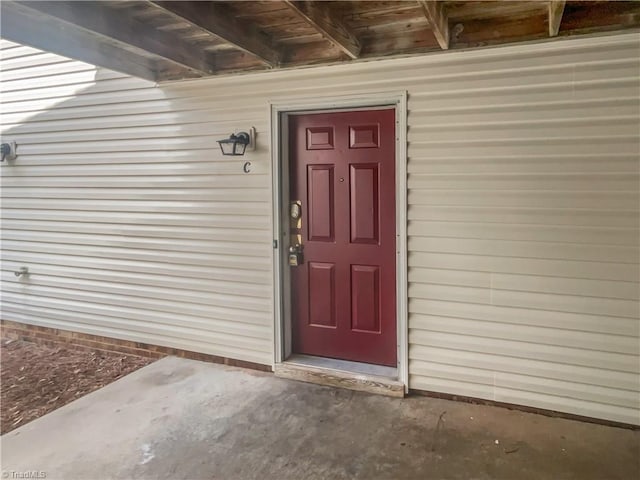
(436,16)
(96,18)
(556,9)
(215,18)
(325,20)
(20,25)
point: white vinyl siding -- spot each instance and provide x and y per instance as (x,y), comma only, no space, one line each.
(523,213)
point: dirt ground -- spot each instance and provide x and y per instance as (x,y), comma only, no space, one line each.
(36,379)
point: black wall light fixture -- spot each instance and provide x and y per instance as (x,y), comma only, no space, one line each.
(8,151)
(238,143)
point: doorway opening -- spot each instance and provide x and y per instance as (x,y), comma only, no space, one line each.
(340,236)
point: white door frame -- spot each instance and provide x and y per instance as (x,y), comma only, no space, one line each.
(280,172)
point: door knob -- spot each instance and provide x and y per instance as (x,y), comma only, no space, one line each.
(295,255)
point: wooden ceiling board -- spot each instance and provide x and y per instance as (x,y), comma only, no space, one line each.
(248,35)
(254,8)
(388,18)
(299,28)
(130,6)
(235,60)
(301,40)
(395,29)
(271,18)
(370,9)
(313,54)
(476,33)
(417,41)
(220,48)
(466,11)
(587,17)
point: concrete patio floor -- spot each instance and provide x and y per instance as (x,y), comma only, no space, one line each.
(180,418)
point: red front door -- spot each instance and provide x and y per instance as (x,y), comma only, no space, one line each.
(344,291)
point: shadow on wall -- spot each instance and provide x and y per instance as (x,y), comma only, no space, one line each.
(126,111)
(126,213)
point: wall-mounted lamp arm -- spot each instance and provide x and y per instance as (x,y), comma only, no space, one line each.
(8,151)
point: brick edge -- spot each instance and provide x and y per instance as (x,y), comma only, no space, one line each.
(55,337)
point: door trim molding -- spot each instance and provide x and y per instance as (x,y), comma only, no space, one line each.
(278,118)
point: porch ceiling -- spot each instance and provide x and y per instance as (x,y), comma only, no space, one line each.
(160,40)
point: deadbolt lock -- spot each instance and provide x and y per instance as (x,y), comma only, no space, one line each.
(295,214)
(295,255)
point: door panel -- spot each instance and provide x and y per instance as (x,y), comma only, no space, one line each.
(364,136)
(322,294)
(365,298)
(319,138)
(364,203)
(344,292)
(320,202)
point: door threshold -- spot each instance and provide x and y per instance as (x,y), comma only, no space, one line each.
(358,376)
(346,366)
